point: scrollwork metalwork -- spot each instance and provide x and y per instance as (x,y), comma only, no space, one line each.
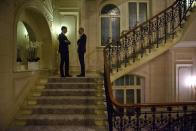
(148,35)
(132,44)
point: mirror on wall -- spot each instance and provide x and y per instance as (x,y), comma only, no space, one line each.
(27,48)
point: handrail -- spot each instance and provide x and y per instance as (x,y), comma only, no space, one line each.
(134,39)
(143,23)
(119,105)
(107,72)
(132,43)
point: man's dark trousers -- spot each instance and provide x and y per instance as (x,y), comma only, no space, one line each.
(64,64)
(82,64)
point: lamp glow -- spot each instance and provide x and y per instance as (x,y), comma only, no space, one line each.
(190,81)
(57,29)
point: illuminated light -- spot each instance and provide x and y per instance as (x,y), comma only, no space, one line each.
(24,29)
(57,29)
(26,33)
(190,81)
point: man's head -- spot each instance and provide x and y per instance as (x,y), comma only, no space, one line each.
(81,30)
(64,29)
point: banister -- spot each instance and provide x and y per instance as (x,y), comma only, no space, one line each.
(119,105)
(108,71)
(125,116)
(130,39)
(145,22)
(171,18)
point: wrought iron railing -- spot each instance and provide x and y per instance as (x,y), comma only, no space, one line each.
(179,116)
(147,35)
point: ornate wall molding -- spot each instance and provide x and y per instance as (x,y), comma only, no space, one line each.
(49,8)
(43,6)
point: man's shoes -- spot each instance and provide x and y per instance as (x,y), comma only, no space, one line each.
(81,75)
(68,75)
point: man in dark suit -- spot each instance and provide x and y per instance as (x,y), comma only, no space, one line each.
(81,51)
(64,52)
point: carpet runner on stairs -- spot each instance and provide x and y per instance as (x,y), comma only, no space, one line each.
(64,104)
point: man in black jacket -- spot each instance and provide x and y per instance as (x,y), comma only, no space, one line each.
(64,52)
(81,51)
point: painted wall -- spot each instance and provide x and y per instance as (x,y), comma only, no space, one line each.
(158,6)
(156,74)
(160,74)
(13,85)
(6,24)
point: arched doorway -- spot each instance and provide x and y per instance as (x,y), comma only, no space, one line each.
(33,41)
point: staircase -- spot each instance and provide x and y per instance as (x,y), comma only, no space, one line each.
(149,39)
(73,104)
(136,47)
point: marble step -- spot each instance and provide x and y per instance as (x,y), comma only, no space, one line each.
(75,100)
(43,81)
(73,86)
(62,109)
(51,119)
(73,79)
(57,128)
(67,92)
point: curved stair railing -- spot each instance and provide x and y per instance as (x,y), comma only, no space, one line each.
(137,41)
(146,36)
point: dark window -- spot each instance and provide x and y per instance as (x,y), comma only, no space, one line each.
(110,24)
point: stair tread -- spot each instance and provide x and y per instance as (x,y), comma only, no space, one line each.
(58,128)
(75,77)
(61,117)
(98,98)
(77,90)
(64,106)
(72,83)
(66,97)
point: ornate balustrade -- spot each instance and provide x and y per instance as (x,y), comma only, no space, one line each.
(147,35)
(153,117)
(177,116)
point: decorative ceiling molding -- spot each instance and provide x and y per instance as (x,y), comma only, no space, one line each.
(48,5)
(49,9)
(43,6)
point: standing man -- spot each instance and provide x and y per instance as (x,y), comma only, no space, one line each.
(64,52)
(81,51)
